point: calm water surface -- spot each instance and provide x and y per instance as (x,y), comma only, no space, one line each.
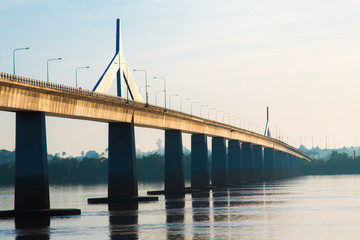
(312,207)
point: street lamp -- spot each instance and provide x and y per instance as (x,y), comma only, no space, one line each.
(209,112)
(164,89)
(192,105)
(201,108)
(156,96)
(76,74)
(143,87)
(146,86)
(16,49)
(47,66)
(232,116)
(239,121)
(175,95)
(217,114)
(184,99)
(225,115)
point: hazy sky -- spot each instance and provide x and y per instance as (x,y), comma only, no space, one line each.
(300,58)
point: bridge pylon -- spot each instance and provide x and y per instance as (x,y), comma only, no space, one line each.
(118,67)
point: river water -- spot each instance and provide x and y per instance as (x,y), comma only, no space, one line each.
(309,207)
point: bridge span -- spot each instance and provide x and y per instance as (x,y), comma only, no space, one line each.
(249,156)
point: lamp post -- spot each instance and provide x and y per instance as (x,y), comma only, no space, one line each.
(184,99)
(192,105)
(164,89)
(146,86)
(239,121)
(16,49)
(76,74)
(232,116)
(225,115)
(175,95)
(209,112)
(156,96)
(201,108)
(47,66)
(143,87)
(217,113)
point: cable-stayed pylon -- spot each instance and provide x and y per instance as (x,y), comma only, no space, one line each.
(118,67)
(267,126)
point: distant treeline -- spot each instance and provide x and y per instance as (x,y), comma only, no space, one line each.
(150,168)
(338,163)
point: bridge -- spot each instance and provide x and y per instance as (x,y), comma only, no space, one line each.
(247,157)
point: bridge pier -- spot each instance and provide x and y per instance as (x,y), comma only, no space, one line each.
(247,159)
(122,178)
(234,162)
(278,165)
(269,164)
(199,161)
(258,162)
(219,162)
(31,169)
(286,162)
(174,162)
(291,165)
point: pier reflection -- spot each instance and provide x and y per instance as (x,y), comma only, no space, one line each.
(175,215)
(220,203)
(32,228)
(123,220)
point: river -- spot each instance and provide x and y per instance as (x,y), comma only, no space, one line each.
(306,207)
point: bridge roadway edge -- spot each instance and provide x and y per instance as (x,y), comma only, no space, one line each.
(24,94)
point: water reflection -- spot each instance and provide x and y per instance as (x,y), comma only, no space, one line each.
(32,228)
(220,205)
(123,220)
(175,216)
(201,206)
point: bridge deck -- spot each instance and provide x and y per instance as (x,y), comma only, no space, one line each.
(24,94)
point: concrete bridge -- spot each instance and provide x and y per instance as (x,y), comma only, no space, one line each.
(249,156)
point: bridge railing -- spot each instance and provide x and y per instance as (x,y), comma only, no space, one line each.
(58,86)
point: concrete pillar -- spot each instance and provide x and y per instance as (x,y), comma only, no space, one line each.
(31,168)
(219,162)
(247,162)
(278,164)
(297,165)
(292,165)
(258,162)
(122,179)
(286,163)
(174,161)
(269,164)
(234,162)
(199,161)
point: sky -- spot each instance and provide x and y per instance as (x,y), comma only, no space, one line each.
(300,58)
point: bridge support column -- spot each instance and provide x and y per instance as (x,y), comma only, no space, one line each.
(31,169)
(247,159)
(286,163)
(258,162)
(174,161)
(234,162)
(122,179)
(31,182)
(122,175)
(292,165)
(219,162)
(269,164)
(278,165)
(199,161)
